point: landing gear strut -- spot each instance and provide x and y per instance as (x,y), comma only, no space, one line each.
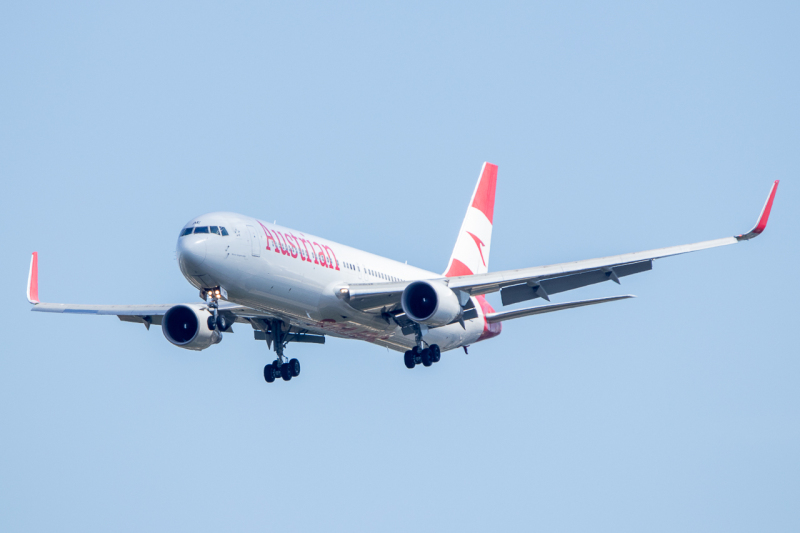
(280,367)
(217,322)
(426,356)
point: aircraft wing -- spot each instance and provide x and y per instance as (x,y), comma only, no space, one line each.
(146,314)
(539,282)
(143,314)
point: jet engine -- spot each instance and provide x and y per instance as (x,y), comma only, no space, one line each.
(186,326)
(430,303)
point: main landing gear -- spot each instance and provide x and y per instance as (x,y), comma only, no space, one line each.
(282,367)
(426,356)
(286,371)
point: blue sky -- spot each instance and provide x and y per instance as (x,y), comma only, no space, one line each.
(616,128)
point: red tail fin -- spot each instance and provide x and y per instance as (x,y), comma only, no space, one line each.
(471,252)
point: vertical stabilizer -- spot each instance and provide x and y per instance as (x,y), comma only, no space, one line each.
(471,253)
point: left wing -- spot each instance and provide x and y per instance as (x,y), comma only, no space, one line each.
(529,283)
(539,282)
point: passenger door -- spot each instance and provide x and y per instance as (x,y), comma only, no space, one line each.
(255,245)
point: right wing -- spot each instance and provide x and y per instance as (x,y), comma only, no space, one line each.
(142,314)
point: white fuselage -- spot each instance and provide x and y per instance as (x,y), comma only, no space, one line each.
(295,276)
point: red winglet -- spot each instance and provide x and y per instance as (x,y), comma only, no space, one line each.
(33,279)
(761,225)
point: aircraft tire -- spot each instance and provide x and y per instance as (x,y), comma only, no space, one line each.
(210,323)
(286,372)
(408,359)
(425,355)
(436,353)
(294,367)
(269,373)
(222,323)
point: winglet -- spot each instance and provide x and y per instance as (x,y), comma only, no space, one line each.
(761,224)
(33,279)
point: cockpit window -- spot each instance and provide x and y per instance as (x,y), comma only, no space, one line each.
(216,230)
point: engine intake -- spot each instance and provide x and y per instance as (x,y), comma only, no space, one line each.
(430,303)
(186,326)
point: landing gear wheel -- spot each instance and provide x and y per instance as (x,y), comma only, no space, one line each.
(222,323)
(436,353)
(269,373)
(294,367)
(286,372)
(408,359)
(211,323)
(425,355)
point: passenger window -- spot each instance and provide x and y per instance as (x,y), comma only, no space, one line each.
(203,229)
(223,231)
(215,230)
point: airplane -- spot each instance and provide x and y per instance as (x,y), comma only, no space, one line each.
(292,287)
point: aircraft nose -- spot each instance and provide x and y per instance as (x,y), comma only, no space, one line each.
(191,253)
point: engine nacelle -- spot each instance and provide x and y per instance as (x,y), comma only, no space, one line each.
(430,303)
(186,326)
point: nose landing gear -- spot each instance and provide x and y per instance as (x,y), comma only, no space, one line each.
(217,322)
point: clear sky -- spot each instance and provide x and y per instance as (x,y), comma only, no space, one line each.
(616,128)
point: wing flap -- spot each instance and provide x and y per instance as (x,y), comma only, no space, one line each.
(528,311)
(528,291)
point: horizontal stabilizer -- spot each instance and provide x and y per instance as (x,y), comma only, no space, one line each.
(519,313)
